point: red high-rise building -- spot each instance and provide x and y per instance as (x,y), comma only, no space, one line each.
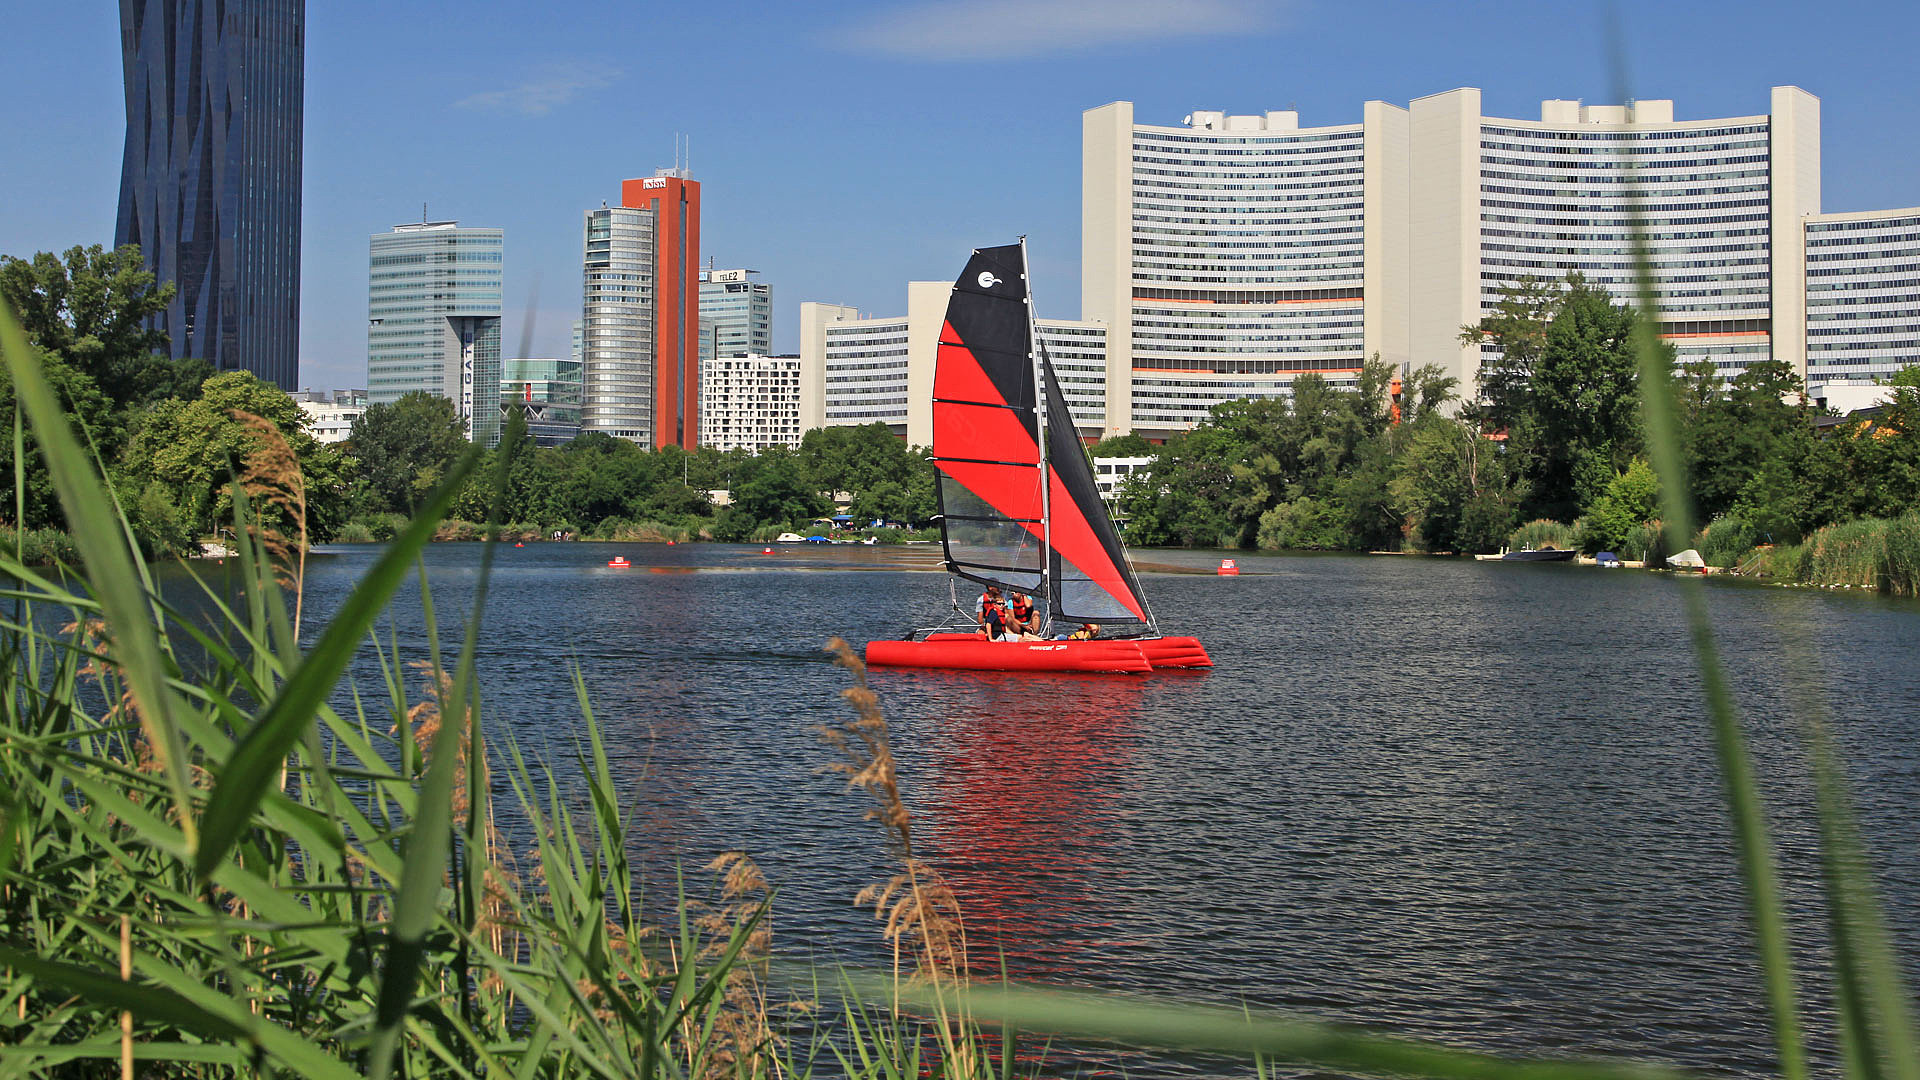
(675,203)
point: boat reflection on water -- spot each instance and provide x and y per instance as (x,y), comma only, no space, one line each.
(1031,778)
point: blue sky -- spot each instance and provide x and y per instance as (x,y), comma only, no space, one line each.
(846,149)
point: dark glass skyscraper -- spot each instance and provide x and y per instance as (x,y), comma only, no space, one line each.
(210,185)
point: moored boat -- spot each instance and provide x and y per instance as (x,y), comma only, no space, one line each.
(1019,508)
(1540,555)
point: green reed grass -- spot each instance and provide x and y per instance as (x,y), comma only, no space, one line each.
(1542,533)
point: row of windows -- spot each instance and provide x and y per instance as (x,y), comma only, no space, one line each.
(1532,134)
(1580,210)
(1708,146)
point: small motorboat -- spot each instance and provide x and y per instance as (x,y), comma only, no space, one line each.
(1540,555)
(789,538)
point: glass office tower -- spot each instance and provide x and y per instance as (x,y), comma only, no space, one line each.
(433,319)
(210,179)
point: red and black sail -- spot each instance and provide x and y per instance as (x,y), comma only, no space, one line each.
(986,448)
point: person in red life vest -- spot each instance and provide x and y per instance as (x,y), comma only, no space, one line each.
(991,613)
(1023,621)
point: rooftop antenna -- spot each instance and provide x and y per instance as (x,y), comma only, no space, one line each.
(423,211)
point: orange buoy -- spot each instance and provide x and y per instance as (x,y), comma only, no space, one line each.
(1228,569)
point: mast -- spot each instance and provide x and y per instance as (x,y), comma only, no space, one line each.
(1040,415)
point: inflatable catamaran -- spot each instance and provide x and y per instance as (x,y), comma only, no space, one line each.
(1018,504)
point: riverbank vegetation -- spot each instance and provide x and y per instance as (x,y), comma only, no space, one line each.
(168,433)
(1557,436)
(207,869)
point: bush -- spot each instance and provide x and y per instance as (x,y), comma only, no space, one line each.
(1303,525)
(44,547)
(1646,542)
(1903,555)
(1725,541)
(1542,533)
(381,527)
(455,530)
(1852,553)
(1779,562)
(354,532)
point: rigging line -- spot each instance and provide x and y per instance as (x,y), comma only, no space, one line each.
(976,404)
(985,461)
(1038,360)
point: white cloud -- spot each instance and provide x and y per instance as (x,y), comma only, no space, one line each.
(544,89)
(1022,29)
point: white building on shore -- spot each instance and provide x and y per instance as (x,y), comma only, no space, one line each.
(750,402)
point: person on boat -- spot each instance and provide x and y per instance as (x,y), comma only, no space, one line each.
(991,613)
(1087,632)
(1023,620)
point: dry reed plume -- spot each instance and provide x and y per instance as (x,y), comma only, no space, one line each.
(921,913)
(271,475)
(740,1032)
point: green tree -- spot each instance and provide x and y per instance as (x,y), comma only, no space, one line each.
(188,452)
(1517,333)
(404,447)
(1128,445)
(92,309)
(1584,396)
(88,411)
(772,488)
(1631,499)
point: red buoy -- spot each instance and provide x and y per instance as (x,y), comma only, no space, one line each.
(1228,569)
(618,561)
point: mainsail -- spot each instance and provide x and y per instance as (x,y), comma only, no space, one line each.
(1003,523)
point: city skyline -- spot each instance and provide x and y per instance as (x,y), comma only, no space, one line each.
(844,153)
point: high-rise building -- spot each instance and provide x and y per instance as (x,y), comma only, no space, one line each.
(617,324)
(740,311)
(210,178)
(1863,306)
(641,338)
(1231,253)
(433,319)
(1721,203)
(547,395)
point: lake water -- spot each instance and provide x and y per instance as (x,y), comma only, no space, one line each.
(1463,801)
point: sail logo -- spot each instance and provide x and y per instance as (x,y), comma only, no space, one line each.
(987,280)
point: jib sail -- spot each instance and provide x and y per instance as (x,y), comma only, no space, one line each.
(986,446)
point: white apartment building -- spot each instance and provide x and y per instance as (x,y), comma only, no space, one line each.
(858,369)
(1863,301)
(330,420)
(1720,202)
(750,402)
(1232,253)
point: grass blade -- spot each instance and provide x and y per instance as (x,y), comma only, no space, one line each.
(1755,850)
(255,762)
(110,565)
(428,845)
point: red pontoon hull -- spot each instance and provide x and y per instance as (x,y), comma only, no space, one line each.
(970,652)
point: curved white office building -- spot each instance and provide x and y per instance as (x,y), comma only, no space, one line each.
(1232,253)
(1495,200)
(1863,298)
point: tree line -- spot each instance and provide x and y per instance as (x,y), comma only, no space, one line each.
(1551,449)
(169,436)
(1555,436)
